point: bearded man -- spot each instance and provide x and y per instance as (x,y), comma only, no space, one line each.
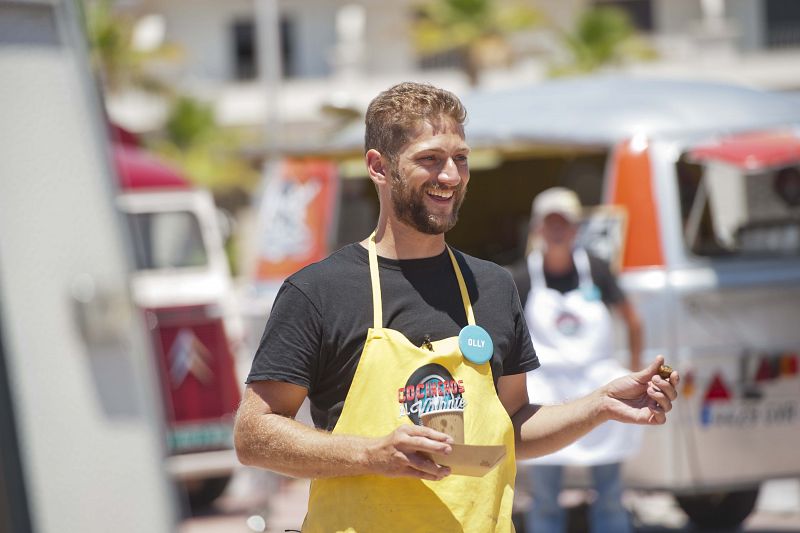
(399,326)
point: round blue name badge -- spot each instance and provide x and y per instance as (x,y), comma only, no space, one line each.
(591,293)
(475,344)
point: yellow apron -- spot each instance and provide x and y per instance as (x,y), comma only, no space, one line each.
(380,400)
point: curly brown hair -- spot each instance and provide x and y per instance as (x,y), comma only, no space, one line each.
(393,115)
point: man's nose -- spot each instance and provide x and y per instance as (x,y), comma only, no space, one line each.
(449,174)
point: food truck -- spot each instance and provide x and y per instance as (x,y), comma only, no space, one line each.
(183,287)
(692,192)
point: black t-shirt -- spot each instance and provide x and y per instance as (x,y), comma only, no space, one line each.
(319,321)
(610,293)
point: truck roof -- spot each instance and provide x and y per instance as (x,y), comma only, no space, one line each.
(753,150)
(603,110)
(138,170)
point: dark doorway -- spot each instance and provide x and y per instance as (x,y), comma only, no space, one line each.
(14,516)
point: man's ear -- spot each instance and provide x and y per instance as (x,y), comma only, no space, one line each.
(377,167)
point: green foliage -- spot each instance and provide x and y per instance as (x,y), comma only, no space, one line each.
(478,29)
(206,152)
(116,61)
(190,122)
(109,38)
(603,36)
(192,140)
(447,24)
(210,157)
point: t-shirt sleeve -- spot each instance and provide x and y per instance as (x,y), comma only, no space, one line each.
(523,357)
(610,292)
(290,346)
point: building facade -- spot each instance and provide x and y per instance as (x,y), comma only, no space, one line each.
(305,64)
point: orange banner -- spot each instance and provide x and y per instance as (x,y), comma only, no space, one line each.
(295,216)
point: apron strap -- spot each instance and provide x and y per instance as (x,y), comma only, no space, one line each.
(536,269)
(581,259)
(377,304)
(463,287)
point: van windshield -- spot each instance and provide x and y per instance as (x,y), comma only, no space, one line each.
(730,210)
(167,240)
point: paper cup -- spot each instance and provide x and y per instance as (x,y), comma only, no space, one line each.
(449,421)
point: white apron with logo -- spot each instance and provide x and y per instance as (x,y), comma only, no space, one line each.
(572,335)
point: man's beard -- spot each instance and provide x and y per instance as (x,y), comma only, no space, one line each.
(410,208)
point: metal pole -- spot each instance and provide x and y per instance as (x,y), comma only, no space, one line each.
(268,43)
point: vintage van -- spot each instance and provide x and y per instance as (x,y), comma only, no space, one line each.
(183,287)
(693,195)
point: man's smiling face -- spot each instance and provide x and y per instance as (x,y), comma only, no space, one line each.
(429,179)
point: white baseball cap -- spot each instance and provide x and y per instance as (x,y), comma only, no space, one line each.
(557,200)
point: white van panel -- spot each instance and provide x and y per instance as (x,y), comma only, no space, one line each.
(739,353)
(87,410)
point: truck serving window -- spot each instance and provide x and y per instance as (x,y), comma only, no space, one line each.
(730,210)
(167,240)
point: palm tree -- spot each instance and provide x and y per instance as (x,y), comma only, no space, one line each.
(476,29)
(603,36)
(205,151)
(116,60)
(191,137)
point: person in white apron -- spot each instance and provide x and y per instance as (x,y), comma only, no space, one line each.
(572,333)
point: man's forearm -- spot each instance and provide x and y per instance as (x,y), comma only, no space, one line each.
(289,447)
(540,430)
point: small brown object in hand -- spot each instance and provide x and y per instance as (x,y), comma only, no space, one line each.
(665,371)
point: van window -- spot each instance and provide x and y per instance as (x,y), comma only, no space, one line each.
(727,210)
(167,240)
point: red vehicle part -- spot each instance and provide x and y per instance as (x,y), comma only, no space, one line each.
(196,365)
(197,370)
(753,150)
(140,171)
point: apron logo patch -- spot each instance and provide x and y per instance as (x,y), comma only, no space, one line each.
(430,388)
(568,324)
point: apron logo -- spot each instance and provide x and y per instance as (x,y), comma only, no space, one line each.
(430,388)
(568,324)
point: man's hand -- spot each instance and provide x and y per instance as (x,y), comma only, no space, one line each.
(404,452)
(267,436)
(641,397)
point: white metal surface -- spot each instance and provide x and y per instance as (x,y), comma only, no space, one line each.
(717,318)
(209,284)
(603,110)
(85,396)
(606,109)
(202,465)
